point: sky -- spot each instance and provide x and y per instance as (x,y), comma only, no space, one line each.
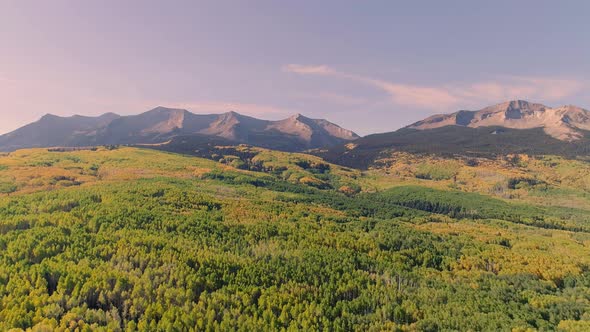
(369,66)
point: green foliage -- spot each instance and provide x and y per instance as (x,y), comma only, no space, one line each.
(458,204)
(226,249)
(518,183)
(437,172)
(7,187)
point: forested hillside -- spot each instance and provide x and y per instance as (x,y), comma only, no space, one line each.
(450,141)
(125,239)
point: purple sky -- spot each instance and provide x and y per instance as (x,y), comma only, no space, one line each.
(370,66)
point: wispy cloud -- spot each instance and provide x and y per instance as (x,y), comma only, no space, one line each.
(303,69)
(4,78)
(224,106)
(333,98)
(412,95)
(457,95)
(511,87)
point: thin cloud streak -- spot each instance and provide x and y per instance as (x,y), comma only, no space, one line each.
(533,88)
(411,95)
(222,107)
(5,79)
(452,96)
(303,69)
(333,98)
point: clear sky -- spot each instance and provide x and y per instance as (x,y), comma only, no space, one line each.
(370,66)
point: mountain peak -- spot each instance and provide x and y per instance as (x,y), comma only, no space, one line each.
(517,104)
(49,116)
(297,116)
(78,117)
(166,110)
(231,115)
(109,115)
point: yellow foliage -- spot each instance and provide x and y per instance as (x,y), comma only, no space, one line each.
(563,182)
(573,326)
(525,249)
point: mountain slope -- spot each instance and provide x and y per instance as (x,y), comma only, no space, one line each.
(316,132)
(53,130)
(157,125)
(161,124)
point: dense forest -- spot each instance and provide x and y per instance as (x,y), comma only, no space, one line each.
(125,239)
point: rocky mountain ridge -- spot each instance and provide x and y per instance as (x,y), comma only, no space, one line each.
(161,124)
(565,123)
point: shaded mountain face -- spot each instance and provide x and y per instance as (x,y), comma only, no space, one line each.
(155,126)
(161,125)
(566,123)
(513,127)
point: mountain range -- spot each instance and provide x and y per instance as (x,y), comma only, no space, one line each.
(161,125)
(566,123)
(514,126)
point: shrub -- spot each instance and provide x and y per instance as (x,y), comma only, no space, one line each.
(7,187)
(437,172)
(349,190)
(517,183)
